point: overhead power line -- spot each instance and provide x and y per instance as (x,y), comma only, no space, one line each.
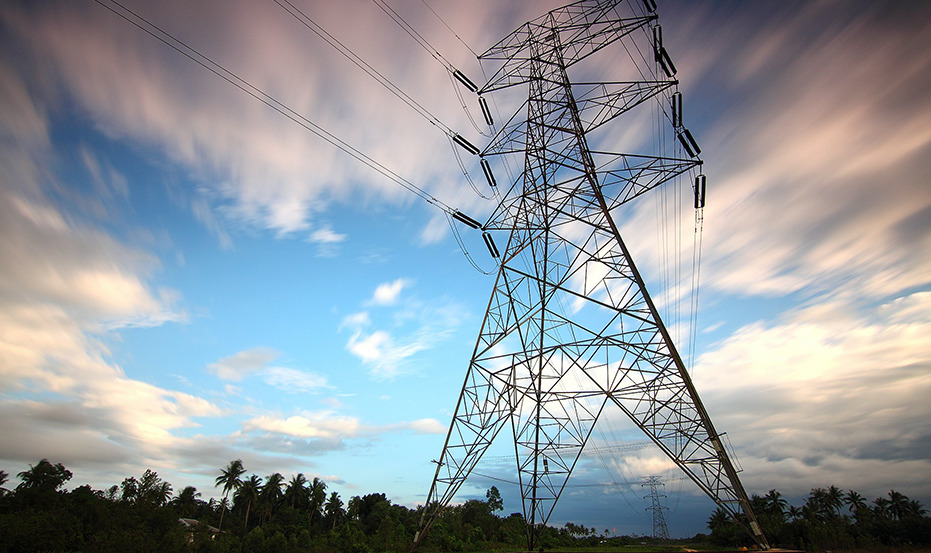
(207,63)
(314,27)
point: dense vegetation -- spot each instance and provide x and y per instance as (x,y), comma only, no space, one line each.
(255,514)
(274,515)
(832,519)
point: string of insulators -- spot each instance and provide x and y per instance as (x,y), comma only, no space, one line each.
(676,102)
(650,5)
(688,142)
(465,81)
(486,113)
(466,220)
(700,191)
(490,244)
(662,56)
(489,176)
(660,53)
(466,145)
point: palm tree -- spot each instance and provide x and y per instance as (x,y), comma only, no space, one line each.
(857,504)
(718,519)
(898,505)
(834,499)
(230,479)
(296,492)
(44,476)
(915,509)
(794,513)
(881,507)
(816,506)
(271,494)
(775,504)
(334,509)
(3,478)
(186,501)
(317,497)
(248,492)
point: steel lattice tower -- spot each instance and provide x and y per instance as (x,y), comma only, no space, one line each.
(570,329)
(660,530)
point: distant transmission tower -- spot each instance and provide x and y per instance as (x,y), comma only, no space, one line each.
(570,329)
(660,531)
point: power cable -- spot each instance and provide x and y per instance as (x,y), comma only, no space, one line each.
(450,28)
(207,63)
(314,27)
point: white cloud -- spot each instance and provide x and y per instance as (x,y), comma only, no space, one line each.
(244,363)
(293,380)
(426,426)
(388,292)
(328,425)
(824,392)
(326,235)
(320,424)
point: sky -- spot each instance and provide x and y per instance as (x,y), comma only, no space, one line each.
(187,277)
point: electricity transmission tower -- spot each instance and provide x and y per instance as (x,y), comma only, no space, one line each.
(660,531)
(570,331)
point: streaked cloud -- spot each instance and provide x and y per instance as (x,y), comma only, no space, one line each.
(242,364)
(293,380)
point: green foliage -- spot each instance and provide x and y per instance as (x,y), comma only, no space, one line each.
(830,519)
(272,516)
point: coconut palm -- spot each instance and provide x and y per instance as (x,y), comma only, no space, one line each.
(230,479)
(856,503)
(834,499)
(271,494)
(334,509)
(881,507)
(915,509)
(3,478)
(775,504)
(296,493)
(248,493)
(898,505)
(316,497)
(816,505)
(186,501)
(44,476)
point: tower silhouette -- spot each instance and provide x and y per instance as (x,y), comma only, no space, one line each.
(570,330)
(656,508)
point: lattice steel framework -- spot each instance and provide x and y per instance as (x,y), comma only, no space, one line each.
(570,329)
(656,508)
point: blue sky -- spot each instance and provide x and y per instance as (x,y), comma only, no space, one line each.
(187,277)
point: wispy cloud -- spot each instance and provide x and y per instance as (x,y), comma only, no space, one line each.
(293,380)
(414,327)
(388,292)
(242,364)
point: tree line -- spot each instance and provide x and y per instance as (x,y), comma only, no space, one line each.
(268,514)
(830,519)
(273,514)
